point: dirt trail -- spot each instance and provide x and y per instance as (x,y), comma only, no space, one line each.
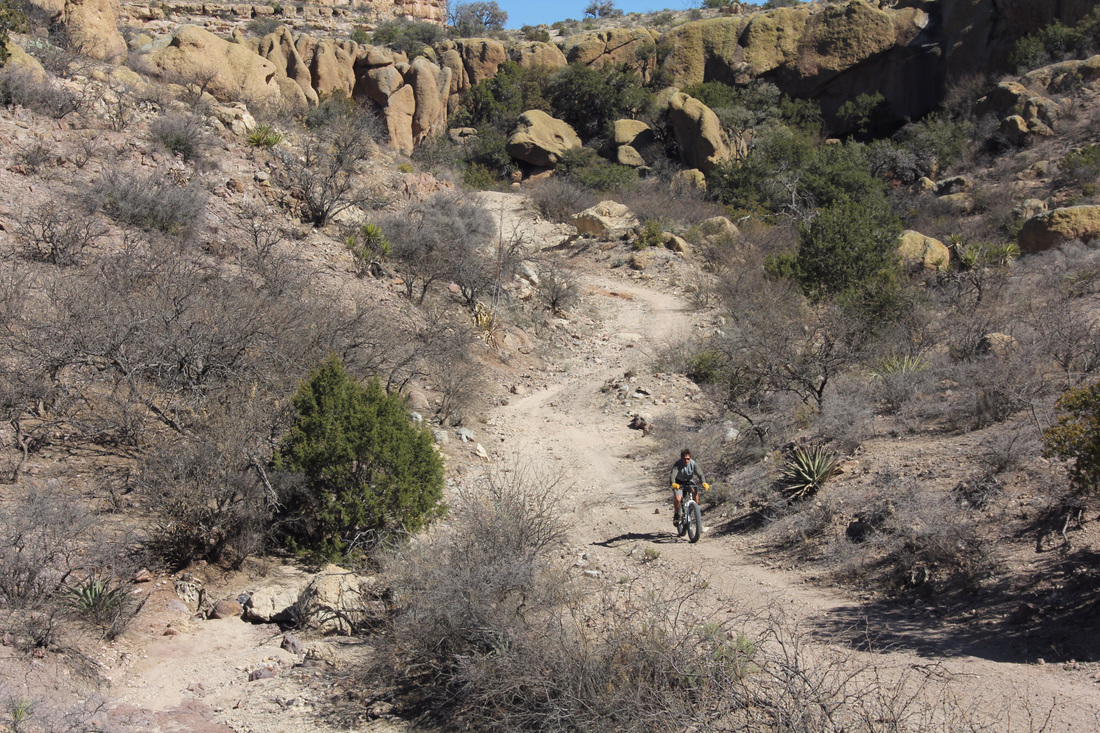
(569,423)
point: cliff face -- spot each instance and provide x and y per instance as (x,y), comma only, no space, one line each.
(908,52)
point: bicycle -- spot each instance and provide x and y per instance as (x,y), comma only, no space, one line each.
(691,517)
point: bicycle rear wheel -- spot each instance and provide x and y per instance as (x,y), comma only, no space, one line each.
(694,522)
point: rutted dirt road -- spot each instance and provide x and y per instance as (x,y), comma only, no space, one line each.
(573,423)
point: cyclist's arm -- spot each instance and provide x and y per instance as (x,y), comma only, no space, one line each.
(675,473)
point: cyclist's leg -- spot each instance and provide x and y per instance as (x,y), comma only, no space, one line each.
(677,498)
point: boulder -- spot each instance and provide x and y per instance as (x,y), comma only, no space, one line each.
(690,179)
(641,260)
(272,605)
(1015,129)
(635,133)
(93,28)
(634,47)
(676,244)
(536,54)
(698,132)
(337,601)
(234,72)
(540,139)
(398,112)
(924,185)
(1006,98)
(957,204)
(235,116)
(1057,227)
(331,67)
(719,226)
(226,609)
(1029,208)
(481,58)
(997,344)
(628,156)
(605,220)
(955,184)
(916,249)
(1064,76)
(431,87)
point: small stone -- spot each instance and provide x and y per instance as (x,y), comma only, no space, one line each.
(263,673)
(593,573)
(143,576)
(235,184)
(465,434)
(226,609)
(293,644)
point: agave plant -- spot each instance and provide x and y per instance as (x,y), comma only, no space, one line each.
(807,469)
(900,364)
(264,136)
(97,601)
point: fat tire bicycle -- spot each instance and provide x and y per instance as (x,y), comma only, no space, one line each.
(691,516)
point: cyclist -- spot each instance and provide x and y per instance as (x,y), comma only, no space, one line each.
(685,472)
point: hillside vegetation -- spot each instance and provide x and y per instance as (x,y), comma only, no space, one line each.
(270,302)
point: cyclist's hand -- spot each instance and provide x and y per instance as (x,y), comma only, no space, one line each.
(706,487)
(675,486)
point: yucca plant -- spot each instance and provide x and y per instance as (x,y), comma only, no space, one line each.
(807,470)
(900,364)
(97,601)
(264,136)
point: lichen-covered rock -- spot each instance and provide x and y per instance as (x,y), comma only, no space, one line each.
(540,139)
(481,57)
(1057,227)
(233,70)
(702,141)
(916,249)
(691,179)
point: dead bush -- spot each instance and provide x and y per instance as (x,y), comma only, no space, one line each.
(323,177)
(654,200)
(59,234)
(21,86)
(35,157)
(153,201)
(558,198)
(180,134)
(558,288)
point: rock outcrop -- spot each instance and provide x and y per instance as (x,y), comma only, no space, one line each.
(91,25)
(1054,228)
(703,143)
(909,52)
(412,97)
(540,139)
(535,54)
(337,601)
(634,47)
(229,71)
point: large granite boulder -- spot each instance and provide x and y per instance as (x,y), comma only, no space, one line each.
(703,142)
(534,54)
(338,601)
(540,139)
(233,71)
(605,220)
(1057,227)
(915,249)
(634,47)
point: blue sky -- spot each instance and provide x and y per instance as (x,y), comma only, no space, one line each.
(533,12)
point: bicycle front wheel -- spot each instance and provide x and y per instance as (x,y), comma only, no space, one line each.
(694,522)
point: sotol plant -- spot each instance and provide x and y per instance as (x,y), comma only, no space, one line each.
(807,470)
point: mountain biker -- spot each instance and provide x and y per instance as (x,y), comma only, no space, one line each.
(685,472)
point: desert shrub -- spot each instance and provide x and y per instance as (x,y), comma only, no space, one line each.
(557,198)
(488,152)
(21,86)
(152,201)
(59,234)
(847,247)
(323,175)
(531,33)
(12,19)
(862,116)
(756,105)
(366,471)
(1075,437)
(499,100)
(360,35)
(264,136)
(1081,166)
(589,99)
(180,134)
(409,37)
(936,142)
(558,288)
(208,494)
(602,9)
(368,246)
(444,238)
(263,25)
(585,167)
(1057,42)
(476,19)
(806,470)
